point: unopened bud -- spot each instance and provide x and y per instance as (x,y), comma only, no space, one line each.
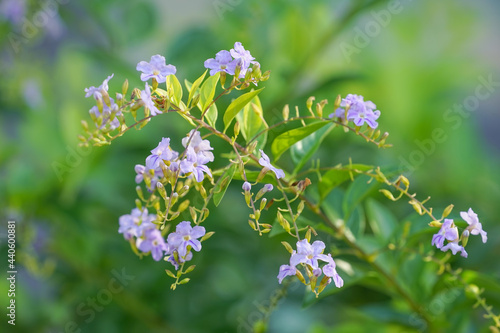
(465,237)
(246,187)
(337,102)
(448,210)
(309,103)
(286,112)
(125,88)
(263,203)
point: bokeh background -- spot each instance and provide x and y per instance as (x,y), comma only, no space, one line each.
(423,60)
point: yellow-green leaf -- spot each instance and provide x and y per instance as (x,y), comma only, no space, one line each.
(236,106)
(285,140)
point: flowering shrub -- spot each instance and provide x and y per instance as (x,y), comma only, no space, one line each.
(280,201)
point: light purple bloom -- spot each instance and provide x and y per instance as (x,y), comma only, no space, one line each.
(13,10)
(246,187)
(330,271)
(286,270)
(223,62)
(454,247)
(161,153)
(446,232)
(155,69)
(97,92)
(153,242)
(339,113)
(308,254)
(194,164)
(266,163)
(198,144)
(268,187)
(107,113)
(475,227)
(358,111)
(185,236)
(153,174)
(243,57)
(136,223)
(148,102)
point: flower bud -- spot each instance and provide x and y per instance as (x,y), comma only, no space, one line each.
(264,190)
(125,87)
(448,210)
(286,112)
(465,237)
(309,103)
(246,187)
(337,102)
(263,203)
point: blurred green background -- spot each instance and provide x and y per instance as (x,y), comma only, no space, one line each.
(421,61)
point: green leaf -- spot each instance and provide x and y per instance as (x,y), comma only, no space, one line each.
(207,91)
(381,220)
(284,141)
(221,187)
(303,150)
(193,87)
(251,119)
(335,177)
(212,115)
(236,106)
(174,88)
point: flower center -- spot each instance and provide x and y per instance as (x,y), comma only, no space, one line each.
(187,237)
(156,72)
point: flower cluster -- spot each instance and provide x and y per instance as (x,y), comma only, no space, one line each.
(266,163)
(227,61)
(164,161)
(182,241)
(105,112)
(449,232)
(354,108)
(309,255)
(138,227)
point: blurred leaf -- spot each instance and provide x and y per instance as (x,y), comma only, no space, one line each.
(212,115)
(207,91)
(251,122)
(192,88)
(356,192)
(303,150)
(381,220)
(174,89)
(284,141)
(221,187)
(236,106)
(335,177)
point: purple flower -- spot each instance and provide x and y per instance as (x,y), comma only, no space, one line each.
(136,223)
(339,113)
(198,144)
(246,187)
(475,227)
(153,242)
(153,174)
(358,111)
(148,102)
(330,271)
(266,163)
(185,236)
(243,57)
(155,69)
(194,164)
(97,92)
(446,232)
(286,270)
(223,62)
(13,10)
(107,113)
(308,254)
(454,247)
(161,153)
